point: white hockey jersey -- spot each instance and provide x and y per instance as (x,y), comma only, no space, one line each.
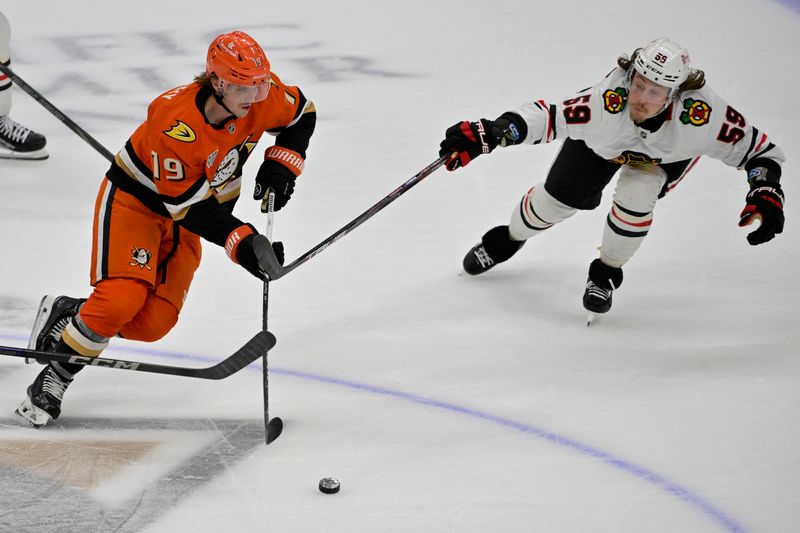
(698,123)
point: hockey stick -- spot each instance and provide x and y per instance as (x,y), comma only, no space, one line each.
(363,217)
(252,350)
(36,95)
(274,427)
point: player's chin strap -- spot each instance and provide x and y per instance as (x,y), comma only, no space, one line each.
(218,98)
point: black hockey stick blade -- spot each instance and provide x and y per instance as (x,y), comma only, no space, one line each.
(274,429)
(262,342)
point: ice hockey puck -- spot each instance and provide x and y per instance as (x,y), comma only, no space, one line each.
(329,485)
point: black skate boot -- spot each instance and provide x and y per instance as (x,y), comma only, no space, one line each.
(52,317)
(602,281)
(19,142)
(43,402)
(495,247)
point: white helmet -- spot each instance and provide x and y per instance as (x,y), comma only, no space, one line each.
(664,62)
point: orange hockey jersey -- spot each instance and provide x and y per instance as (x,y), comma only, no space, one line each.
(180,166)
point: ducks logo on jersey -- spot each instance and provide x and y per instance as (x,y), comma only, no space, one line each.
(180,131)
(141,257)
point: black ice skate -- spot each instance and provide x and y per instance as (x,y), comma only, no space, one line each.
(19,142)
(600,285)
(597,299)
(43,402)
(52,317)
(495,247)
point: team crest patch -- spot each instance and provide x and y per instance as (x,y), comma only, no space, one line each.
(614,101)
(226,168)
(141,257)
(697,112)
(635,159)
(180,131)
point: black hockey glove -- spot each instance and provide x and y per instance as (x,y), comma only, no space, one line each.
(277,177)
(261,259)
(468,140)
(764,202)
(278,172)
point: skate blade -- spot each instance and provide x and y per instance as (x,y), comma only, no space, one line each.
(32,415)
(36,155)
(42,314)
(591,318)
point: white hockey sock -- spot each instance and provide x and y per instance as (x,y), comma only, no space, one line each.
(623,233)
(631,214)
(536,212)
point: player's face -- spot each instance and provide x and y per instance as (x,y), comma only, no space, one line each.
(646,98)
(239,98)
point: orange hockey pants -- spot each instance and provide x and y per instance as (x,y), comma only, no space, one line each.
(142,267)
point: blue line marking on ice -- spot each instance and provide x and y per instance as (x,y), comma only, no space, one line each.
(640,472)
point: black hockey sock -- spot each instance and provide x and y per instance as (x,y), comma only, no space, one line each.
(605,276)
(498,244)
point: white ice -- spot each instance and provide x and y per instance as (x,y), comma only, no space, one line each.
(441,402)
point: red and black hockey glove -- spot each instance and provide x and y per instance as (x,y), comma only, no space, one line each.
(764,202)
(255,253)
(468,140)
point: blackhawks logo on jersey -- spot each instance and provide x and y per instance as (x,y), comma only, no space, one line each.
(697,112)
(614,101)
(141,257)
(635,159)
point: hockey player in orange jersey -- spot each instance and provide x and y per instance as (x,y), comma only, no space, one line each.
(176,180)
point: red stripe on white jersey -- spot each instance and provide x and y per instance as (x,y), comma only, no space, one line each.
(688,168)
(546,109)
(761,143)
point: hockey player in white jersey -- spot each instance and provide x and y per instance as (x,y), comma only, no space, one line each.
(16,141)
(651,119)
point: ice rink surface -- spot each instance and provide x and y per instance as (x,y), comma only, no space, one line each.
(442,403)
